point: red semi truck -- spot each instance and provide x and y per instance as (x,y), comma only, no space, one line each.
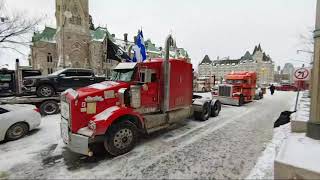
(140,98)
(240,87)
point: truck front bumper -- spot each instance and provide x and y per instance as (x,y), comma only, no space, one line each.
(228,100)
(75,142)
(79,144)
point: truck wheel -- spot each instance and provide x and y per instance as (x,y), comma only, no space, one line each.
(16,131)
(241,100)
(215,109)
(45,91)
(121,138)
(49,108)
(204,114)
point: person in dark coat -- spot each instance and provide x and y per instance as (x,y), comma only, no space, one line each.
(272,89)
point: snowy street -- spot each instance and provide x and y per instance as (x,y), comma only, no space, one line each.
(228,146)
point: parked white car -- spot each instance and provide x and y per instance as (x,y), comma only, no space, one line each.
(17,120)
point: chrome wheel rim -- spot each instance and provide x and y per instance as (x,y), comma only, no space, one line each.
(17,131)
(123,138)
(50,108)
(46,91)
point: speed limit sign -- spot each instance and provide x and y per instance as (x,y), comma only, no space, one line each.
(302,74)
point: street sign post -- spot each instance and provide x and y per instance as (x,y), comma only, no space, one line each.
(300,75)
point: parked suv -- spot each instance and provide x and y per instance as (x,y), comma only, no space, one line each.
(47,86)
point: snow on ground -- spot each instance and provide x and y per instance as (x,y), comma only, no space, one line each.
(224,147)
(264,169)
(24,150)
(265,165)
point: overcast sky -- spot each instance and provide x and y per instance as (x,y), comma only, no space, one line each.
(214,27)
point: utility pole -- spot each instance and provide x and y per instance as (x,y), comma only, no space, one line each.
(313,127)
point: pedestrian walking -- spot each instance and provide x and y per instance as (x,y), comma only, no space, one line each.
(272,89)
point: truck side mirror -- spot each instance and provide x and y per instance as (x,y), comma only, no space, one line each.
(62,75)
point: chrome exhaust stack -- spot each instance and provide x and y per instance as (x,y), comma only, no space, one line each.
(166,74)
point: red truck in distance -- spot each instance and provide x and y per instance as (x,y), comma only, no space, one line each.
(140,98)
(240,88)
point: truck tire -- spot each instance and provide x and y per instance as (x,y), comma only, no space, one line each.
(241,100)
(45,91)
(121,138)
(17,131)
(49,108)
(204,114)
(215,109)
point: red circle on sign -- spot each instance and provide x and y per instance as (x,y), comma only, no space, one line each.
(301,73)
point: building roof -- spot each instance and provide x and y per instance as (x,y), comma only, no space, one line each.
(47,35)
(247,56)
(257,48)
(206,60)
(99,34)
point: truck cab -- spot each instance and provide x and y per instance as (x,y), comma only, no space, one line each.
(238,89)
(141,97)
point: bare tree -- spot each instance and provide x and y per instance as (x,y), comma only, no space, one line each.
(15,29)
(307,40)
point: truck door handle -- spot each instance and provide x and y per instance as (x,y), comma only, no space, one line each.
(92,79)
(76,79)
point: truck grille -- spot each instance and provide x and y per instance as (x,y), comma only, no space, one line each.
(65,109)
(225,91)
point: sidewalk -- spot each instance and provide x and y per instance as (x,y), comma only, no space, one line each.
(298,157)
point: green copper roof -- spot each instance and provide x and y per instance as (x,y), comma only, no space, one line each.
(99,34)
(47,35)
(150,46)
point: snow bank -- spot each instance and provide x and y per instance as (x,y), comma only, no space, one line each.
(264,166)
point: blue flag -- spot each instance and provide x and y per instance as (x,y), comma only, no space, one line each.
(139,49)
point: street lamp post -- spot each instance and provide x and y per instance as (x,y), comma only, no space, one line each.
(313,127)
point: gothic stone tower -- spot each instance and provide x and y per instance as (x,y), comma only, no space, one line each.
(73,35)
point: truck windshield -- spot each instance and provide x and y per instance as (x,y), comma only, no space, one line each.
(231,81)
(124,75)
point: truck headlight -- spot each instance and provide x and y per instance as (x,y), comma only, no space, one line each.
(92,125)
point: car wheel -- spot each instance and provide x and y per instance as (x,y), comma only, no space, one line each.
(241,100)
(45,91)
(121,138)
(49,108)
(16,131)
(215,109)
(204,114)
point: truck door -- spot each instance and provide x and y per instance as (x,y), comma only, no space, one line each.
(150,89)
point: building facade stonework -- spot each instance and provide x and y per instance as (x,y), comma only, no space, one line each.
(258,62)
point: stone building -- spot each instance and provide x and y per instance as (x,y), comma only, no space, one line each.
(258,62)
(76,43)
(288,69)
